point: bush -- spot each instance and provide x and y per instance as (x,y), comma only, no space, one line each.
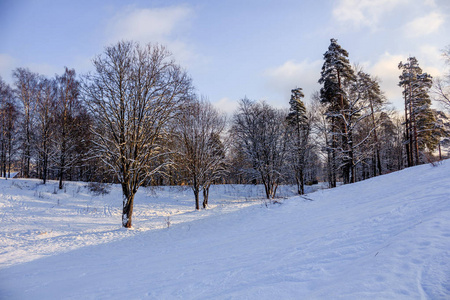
(99,188)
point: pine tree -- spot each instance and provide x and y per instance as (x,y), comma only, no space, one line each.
(300,129)
(420,119)
(336,74)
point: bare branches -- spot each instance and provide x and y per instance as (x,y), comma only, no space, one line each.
(201,149)
(132,95)
(259,132)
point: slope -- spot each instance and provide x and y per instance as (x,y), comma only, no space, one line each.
(384,238)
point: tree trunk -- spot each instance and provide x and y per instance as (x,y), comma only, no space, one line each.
(61,178)
(299,189)
(407,132)
(302,182)
(205,196)
(196,189)
(377,144)
(127,212)
(196,194)
(44,169)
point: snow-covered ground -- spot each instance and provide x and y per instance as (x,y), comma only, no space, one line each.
(384,238)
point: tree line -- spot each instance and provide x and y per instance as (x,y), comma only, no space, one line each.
(136,120)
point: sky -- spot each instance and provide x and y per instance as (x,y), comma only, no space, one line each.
(231,49)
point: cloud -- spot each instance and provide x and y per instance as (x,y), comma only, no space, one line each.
(7,64)
(148,25)
(45,69)
(386,69)
(289,75)
(431,3)
(424,25)
(165,26)
(226,105)
(361,13)
(431,57)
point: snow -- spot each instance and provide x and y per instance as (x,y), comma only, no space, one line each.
(384,238)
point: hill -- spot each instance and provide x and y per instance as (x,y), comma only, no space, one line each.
(384,238)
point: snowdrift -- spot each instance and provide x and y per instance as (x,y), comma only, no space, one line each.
(384,238)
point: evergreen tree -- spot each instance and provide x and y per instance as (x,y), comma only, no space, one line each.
(336,74)
(420,120)
(300,129)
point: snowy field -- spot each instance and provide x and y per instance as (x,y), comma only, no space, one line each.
(384,238)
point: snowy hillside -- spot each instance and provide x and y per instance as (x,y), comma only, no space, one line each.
(384,238)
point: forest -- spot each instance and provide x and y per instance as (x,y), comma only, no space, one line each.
(137,120)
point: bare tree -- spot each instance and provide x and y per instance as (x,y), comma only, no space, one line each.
(132,94)
(46,107)
(441,85)
(201,151)
(67,109)
(259,131)
(365,101)
(322,135)
(8,118)
(27,87)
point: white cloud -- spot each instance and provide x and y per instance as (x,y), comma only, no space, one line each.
(164,25)
(386,69)
(362,13)
(290,75)
(424,25)
(226,105)
(7,64)
(431,59)
(45,69)
(148,25)
(431,3)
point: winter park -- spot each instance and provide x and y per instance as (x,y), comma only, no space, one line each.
(206,150)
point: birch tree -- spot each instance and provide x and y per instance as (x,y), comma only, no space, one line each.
(45,126)
(132,94)
(8,118)
(26,90)
(67,122)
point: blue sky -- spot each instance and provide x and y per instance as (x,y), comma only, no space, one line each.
(232,49)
